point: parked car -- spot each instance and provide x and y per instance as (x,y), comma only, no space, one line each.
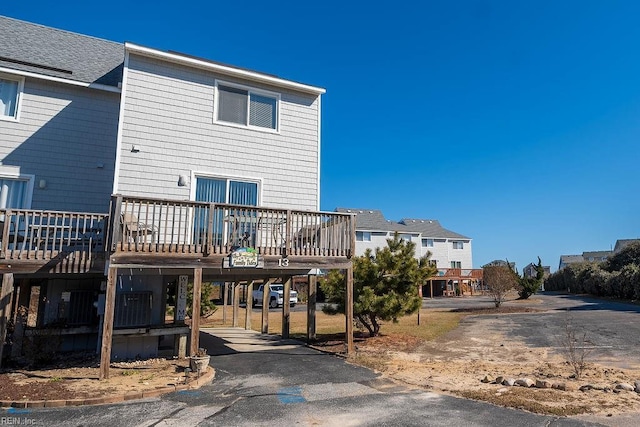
(276,296)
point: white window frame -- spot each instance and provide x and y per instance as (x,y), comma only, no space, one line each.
(11,173)
(360,236)
(456,264)
(427,243)
(196,175)
(249,90)
(406,237)
(20,81)
(458,244)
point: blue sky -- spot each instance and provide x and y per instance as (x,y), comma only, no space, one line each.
(514,123)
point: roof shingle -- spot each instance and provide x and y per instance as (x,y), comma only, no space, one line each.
(48,51)
(374,220)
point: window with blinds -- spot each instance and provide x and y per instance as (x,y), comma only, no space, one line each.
(246,107)
(14,193)
(9,97)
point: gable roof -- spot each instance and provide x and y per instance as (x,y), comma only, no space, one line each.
(430,228)
(570,259)
(374,220)
(47,51)
(623,243)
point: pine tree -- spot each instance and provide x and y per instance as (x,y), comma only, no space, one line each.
(385,284)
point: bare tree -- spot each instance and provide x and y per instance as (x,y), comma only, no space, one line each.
(499,280)
(576,346)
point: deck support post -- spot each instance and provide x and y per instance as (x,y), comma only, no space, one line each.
(195,311)
(20,317)
(236,304)
(249,306)
(107,323)
(225,297)
(286,307)
(349,312)
(265,305)
(311,307)
(5,308)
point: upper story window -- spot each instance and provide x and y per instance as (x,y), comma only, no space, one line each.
(456,264)
(458,245)
(363,236)
(10,94)
(248,107)
(406,237)
(427,243)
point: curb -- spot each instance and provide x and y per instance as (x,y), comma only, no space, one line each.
(103,400)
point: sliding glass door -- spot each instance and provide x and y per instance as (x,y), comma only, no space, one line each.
(226,222)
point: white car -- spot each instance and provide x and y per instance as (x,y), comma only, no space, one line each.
(276,296)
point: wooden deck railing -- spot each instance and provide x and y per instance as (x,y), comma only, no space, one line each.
(184,227)
(152,226)
(463,273)
(46,235)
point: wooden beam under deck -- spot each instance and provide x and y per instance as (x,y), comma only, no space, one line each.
(215,262)
(45,268)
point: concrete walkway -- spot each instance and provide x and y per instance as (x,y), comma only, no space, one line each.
(220,341)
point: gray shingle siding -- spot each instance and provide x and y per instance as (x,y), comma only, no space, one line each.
(24,45)
(64,133)
(168,114)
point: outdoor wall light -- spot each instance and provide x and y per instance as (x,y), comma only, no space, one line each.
(42,184)
(182,181)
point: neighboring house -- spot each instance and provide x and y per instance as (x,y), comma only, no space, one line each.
(448,249)
(531,271)
(451,252)
(566,260)
(590,256)
(623,243)
(596,256)
(168,168)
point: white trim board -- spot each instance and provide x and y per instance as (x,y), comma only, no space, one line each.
(222,69)
(96,86)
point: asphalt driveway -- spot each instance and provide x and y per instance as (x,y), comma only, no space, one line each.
(269,382)
(611,329)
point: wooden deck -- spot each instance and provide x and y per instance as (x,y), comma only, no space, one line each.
(146,232)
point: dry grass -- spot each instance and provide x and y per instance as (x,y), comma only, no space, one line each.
(433,323)
(325,324)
